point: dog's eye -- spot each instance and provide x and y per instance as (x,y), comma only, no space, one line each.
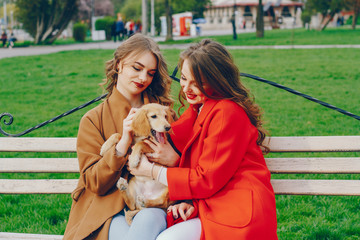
(153,116)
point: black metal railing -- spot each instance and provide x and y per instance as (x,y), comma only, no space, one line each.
(3,116)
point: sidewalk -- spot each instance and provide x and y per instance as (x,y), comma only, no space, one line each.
(38,50)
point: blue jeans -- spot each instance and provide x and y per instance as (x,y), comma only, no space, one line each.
(147,224)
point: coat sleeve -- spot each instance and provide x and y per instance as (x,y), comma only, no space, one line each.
(99,173)
(227,136)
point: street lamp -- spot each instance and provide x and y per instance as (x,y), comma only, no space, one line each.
(152,28)
(92,22)
(5,17)
(144,17)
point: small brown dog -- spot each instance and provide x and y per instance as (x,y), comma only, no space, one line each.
(151,121)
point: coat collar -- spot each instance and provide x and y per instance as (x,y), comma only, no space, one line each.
(191,115)
(117,98)
(208,106)
(189,125)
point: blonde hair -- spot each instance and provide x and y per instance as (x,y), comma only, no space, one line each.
(159,89)
(212,64)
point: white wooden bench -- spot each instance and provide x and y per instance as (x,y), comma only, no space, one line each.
(303,165)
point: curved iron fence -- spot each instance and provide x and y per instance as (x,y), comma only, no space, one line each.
(3,116)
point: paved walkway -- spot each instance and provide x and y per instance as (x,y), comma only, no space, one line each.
(37,50)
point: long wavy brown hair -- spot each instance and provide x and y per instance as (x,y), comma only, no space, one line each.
(133,46)
(212,65)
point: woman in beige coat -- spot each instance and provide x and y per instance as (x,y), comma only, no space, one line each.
(135,76)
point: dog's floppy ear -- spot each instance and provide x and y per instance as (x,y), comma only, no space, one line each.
(171,115)
(140,123)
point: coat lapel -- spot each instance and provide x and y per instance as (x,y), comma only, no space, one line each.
(190,127)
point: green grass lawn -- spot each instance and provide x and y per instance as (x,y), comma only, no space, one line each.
(301,36)
(37,88)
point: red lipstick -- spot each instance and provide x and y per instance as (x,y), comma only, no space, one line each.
(138,85)
(191,96)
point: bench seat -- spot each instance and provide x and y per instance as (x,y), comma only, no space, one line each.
(279,166)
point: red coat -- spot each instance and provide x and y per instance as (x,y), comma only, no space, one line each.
(223,170)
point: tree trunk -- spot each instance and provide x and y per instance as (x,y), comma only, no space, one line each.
(50,21)
(168,13)
(39,28)
(233,22)
(63,21)
(356,13)
(260,21)
(332,14)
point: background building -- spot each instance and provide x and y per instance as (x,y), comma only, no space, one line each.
(277,14)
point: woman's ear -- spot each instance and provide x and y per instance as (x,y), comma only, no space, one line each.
(140,123)
(120,66)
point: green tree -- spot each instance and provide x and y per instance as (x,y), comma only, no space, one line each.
(131,10)
(327,9)
(196,7)
(118,5)
(355,6)
(45,20)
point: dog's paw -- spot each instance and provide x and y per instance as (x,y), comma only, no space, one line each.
(122,184)
(113,139)
(103,149)
(141,201)
(134,160)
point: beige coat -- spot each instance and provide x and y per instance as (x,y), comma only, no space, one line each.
(96,199)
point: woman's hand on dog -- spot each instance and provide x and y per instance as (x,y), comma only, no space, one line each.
(143,169)
(163,154)
(126,137)
(184,210)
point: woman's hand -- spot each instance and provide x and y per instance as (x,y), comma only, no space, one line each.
(163,154)
(144,169)
(126,138)
(183,209)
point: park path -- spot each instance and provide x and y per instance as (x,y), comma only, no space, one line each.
(38,50)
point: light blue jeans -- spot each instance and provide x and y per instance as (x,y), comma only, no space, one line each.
(147,224)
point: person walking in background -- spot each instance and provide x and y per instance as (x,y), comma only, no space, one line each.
(4,38)
(127,28)
(12,40)
(119,29)
(131,27)
(138,26)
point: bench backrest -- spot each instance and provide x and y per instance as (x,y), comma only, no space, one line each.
(283,165)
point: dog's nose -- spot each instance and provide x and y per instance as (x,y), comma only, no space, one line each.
(167,128)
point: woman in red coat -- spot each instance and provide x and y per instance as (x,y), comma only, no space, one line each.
(221,168)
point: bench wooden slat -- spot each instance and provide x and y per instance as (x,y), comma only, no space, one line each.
(29,236)
(277,144)
(37,186)
(316,187)
(314,165)
(10,144)
(281,186)
(315,144)
(275,165)
(39,165)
